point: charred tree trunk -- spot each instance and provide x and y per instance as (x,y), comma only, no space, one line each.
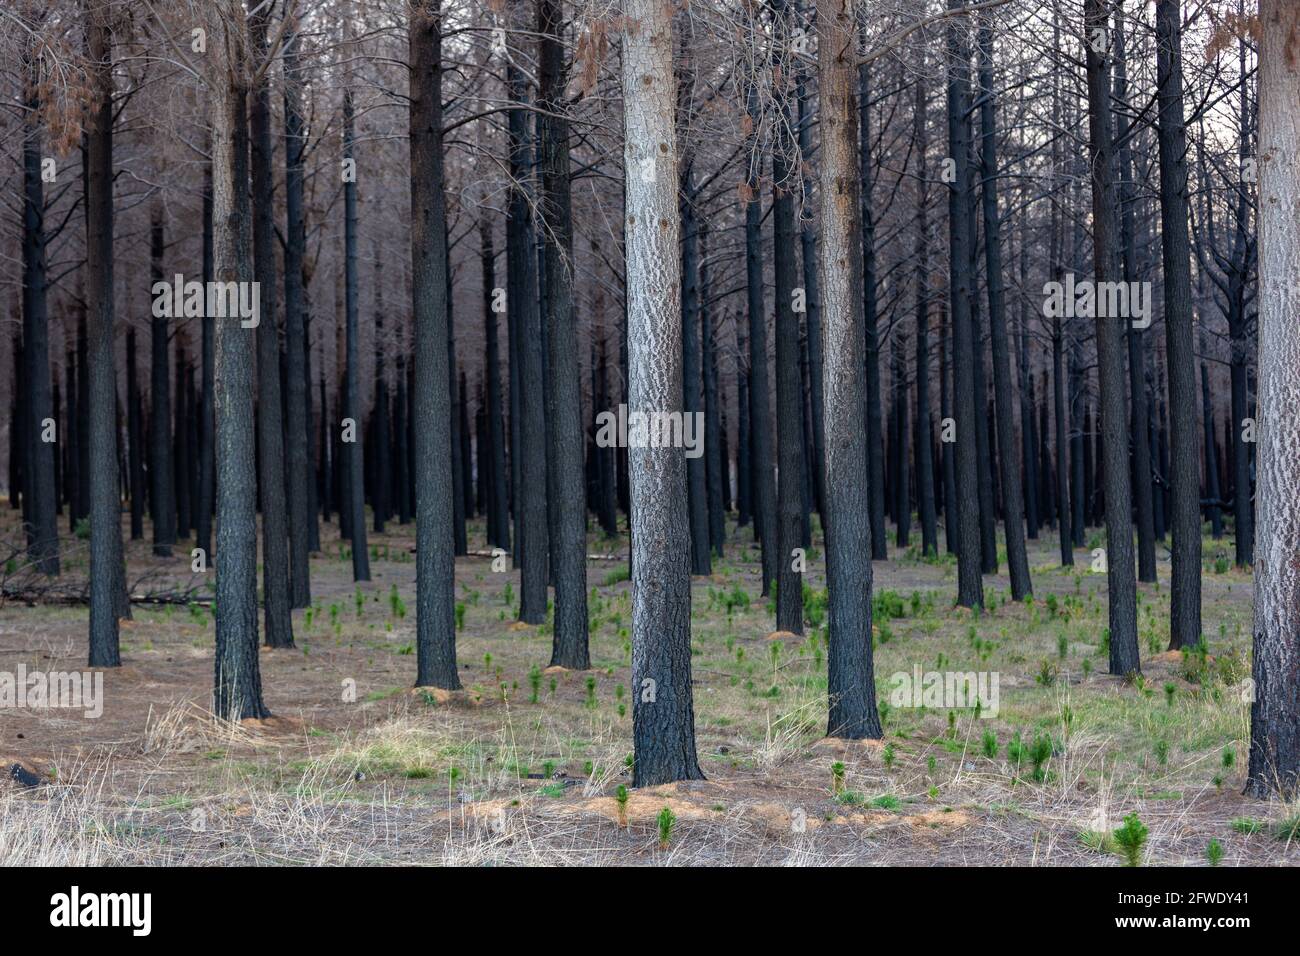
(1121,584)
(42,490)
(521,297)
(100,389)
(270,408)
(968,420)
(298,431)
(237,684)
(850,682)
(435,564)
(1012,495)
(354,466)
(565,433)
(162,500)
(871,357)
(789,387)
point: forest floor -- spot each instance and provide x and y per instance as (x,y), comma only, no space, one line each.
(523,766)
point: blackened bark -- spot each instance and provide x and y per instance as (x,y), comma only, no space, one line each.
(692,399)
(207,419)
(607,503)
(812,301)
(968,421)
(135,440)
(568,545)
(1142,488)
(270,420)
(435,563)
(354,466)
(762,480)
(521,297)
(1183,477)
(789,386)
(1012,495)
(181,435)
(498,518)
(715,449)
(298,431)
(401,430)
(744,470)
(237,684)
(466,450)
(923,436)
(850,682)
(460,543)
(1121,584)
(380,444)
(871,355)
(42,490)
(162,501)
(100,389)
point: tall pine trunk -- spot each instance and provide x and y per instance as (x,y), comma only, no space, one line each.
(1121,583)
(1184,463)
(565,441)
(966,403)
(298,432)
(663,711)
(237,680)
(435,565)
(1275,710)
(789,386)
(270,410)
(1012,496)
(851,687)
(99,405)
(42,490)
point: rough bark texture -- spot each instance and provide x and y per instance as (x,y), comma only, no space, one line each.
(100,391)
(298,437)
(354,466)
(812,300)
(871,357)
(762,479)
(498,498)
(207,413)
(923,437)
(237,680)
(1120,581)
(162,501)
(530,451)
(565,432)
(663,711)
(1275,712)
(435,563)
(789,386)
(1012,496)
(968,420)
(41,488)
(1184,464)
(692,398)
(851,685)
(270,413)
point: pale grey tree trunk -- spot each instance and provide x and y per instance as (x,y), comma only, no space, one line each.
(1275,713)
(663,709)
